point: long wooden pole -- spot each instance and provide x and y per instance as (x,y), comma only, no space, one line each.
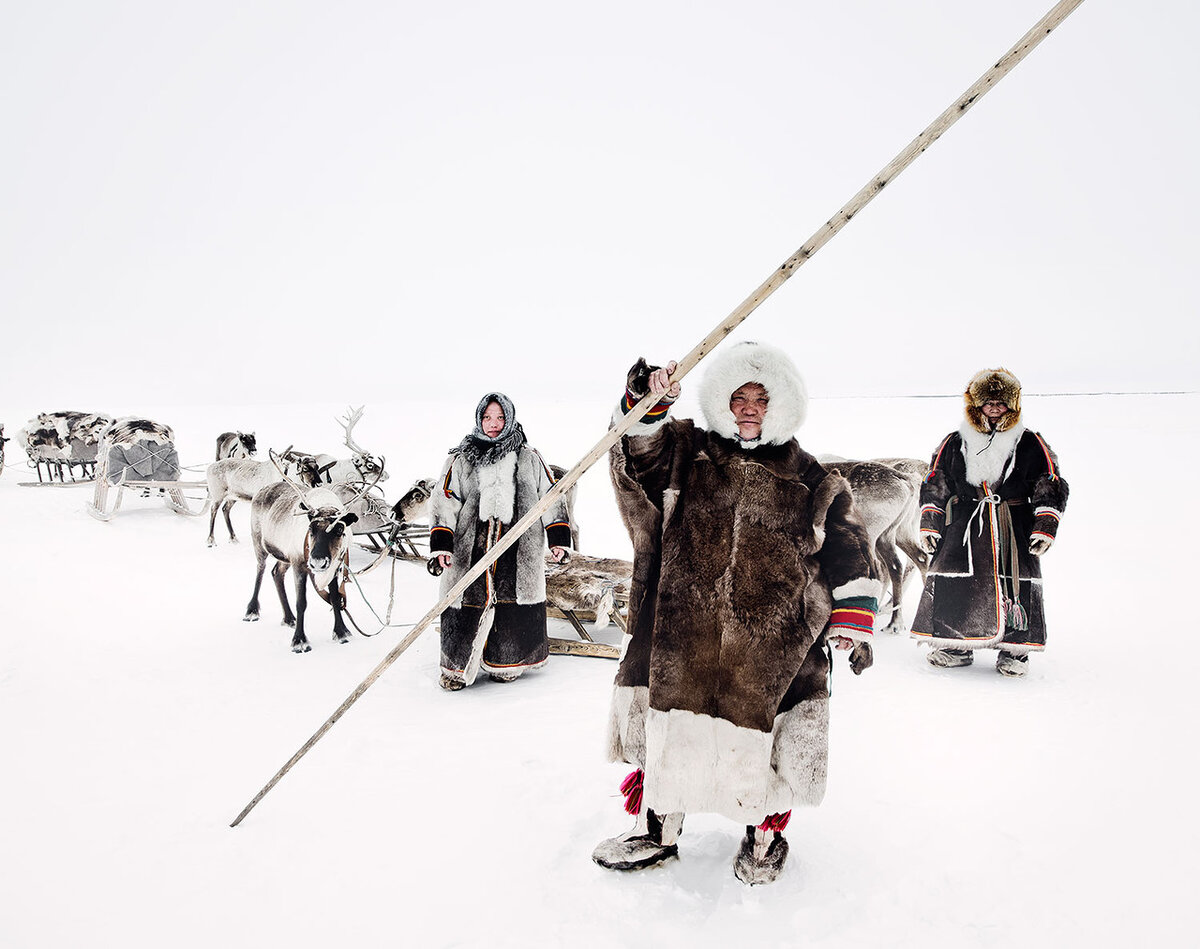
(931,134)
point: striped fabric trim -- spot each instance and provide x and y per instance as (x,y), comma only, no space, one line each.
(1049,460)
(655,413)
(435,529)
(558,524)
(862,620)
(931,530)
(938,457)
(1042,534)
(932,509)
(446,484)
(1047,512)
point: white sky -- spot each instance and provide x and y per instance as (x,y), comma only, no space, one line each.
(245,196)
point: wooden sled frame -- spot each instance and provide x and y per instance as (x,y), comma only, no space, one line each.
(170,491)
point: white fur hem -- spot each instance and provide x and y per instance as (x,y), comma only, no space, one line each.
(627,724)
(700,763)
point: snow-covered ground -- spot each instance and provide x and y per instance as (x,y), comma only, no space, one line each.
(140,714)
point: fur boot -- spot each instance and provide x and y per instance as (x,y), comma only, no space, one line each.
(651,841)
(950,658)
(761,857)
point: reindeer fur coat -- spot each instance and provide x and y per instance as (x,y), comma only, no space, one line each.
(467,497)
(722,693)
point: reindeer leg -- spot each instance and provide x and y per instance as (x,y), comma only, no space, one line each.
(228,523)
(341,633)
(299,642)
(252,607)
(212,524)
(278,572)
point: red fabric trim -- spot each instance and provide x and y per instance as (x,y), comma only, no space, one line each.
(631,787)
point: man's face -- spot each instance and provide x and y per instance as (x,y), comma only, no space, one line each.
(749,407)
(994,411)
(493,420)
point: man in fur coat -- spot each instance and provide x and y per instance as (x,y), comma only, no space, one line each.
(991,505)
(748,558)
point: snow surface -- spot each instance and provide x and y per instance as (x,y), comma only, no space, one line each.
(140,714)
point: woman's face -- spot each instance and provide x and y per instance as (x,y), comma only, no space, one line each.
(493,420)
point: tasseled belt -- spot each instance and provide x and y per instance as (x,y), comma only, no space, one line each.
(1015,615)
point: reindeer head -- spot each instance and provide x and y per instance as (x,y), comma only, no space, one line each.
(249,443)
(370,467)
(329,535)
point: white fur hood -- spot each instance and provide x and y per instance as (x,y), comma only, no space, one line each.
(770,368)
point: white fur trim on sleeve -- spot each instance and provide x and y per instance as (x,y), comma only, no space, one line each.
(863,586)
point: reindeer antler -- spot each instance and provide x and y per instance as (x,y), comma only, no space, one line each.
(367,486)
(352,416)
(278,467)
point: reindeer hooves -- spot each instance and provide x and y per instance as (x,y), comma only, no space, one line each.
(343,637)
(289,623)
(301,647)
(250,618)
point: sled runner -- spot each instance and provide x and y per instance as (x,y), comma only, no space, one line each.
(139,454)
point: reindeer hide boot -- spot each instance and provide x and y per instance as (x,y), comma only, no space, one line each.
(761,857)
(651,841)
(1012,664)
(950,658)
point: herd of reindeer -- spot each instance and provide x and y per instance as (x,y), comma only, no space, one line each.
(307,509)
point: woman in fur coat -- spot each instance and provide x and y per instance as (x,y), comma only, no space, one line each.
(991,506)
(491,479)
(748,558)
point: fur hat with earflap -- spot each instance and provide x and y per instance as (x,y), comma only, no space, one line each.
(771,369)
(993,385)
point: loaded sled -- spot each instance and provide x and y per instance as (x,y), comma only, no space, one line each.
(138,454)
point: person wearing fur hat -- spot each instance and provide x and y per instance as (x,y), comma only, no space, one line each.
(749,561)
(990,507)
(490,480)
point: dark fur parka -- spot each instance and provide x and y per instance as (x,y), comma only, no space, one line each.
(722,694)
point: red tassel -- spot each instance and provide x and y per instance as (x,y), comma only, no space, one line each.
(776,821)
(631,787)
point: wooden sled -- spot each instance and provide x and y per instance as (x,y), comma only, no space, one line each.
(588,590)
(405,545)
(170,491)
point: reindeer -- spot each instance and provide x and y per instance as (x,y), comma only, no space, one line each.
(2,441)
(308,531)
(887,495)
(236,479)
(236,445)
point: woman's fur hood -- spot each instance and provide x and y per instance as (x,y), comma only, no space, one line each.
(993,384)
(770,368)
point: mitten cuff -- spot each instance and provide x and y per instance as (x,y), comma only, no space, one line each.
(853,617)
(441,540)
(1045,522)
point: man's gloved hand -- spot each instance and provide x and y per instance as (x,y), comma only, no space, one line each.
(861,657)
(1040,544)
(638,380)
(929,542)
